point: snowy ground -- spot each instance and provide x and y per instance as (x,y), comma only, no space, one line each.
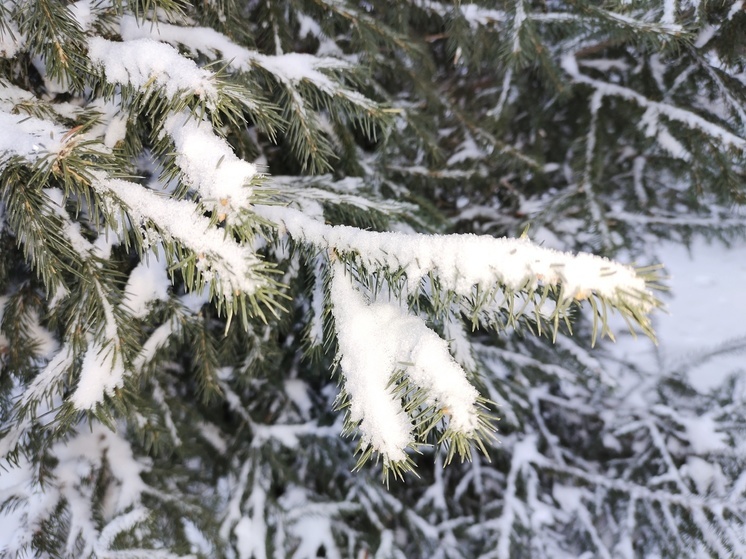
(705,314)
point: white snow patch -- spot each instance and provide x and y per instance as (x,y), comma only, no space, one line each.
(705,475)
(209,164)
(569,498)
(143,61)
(297,391)
(11,40)
(212,435)
(314,532)
(377,339)
(148,282)
(101,372)
(82,13)
(702,433)
(29,137)
(704,315)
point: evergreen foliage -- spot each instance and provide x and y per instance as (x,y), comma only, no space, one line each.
(252,263)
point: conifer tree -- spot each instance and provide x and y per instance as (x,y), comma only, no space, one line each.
(321,278)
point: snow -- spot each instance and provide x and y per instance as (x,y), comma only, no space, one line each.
(462,262)
(402,342)
(314,532)
(479,16)
(251,532)
(82,11)
(11,39)
(29,137)
(101,372)
(221,258)
(141,62)
(704,474)
(704,315)
(158,339)
(122,523)
(688,118)
(734,9)
(518,19)
(707,306)
(50,375)
(116,131)
(209,164)
(466,151)
(669,12)
(368,368)
(250,539)
(702,434)
(212,435)
(72,462)
(290,69)
(147,282)
(297,392)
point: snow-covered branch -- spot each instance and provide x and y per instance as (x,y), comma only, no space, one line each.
(234,267)
(402,342)
(463,262)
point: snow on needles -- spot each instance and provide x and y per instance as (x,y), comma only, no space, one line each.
(140,62)
(462,262)
(206,160)
(209,164)
(101,372)
(402,341)
(219,257)
(29,137)
(288,68)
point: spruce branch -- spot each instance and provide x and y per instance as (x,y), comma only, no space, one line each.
(513,264)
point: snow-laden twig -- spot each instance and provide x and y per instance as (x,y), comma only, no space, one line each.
(463,262)
(523,452)
(144,62)
(207,162)
(518,18)
(402,341)
(587,184)
(290,69)
(232,265)
(209,165)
